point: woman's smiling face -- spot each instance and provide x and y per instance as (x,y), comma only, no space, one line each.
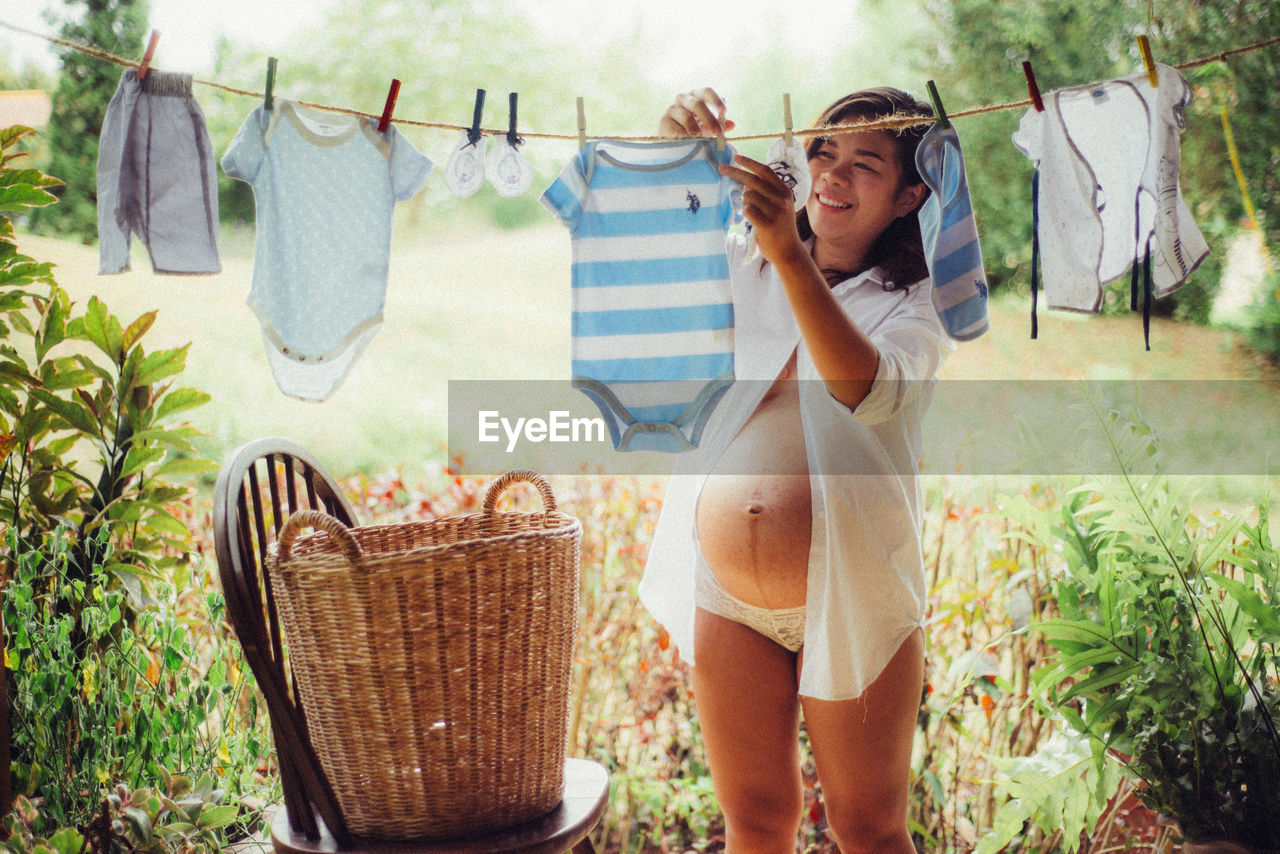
(855,195)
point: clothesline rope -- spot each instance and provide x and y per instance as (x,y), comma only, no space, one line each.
(890,123)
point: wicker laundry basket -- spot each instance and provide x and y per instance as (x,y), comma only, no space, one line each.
(433,662)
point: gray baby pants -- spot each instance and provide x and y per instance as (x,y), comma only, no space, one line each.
(156,177)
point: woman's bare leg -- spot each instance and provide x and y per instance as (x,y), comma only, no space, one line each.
(745,690)
(862,749)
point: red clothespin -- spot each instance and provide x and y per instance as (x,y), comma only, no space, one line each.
(1032,88)
(145,65)
(385,121)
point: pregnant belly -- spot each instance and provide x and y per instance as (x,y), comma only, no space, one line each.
(754,514)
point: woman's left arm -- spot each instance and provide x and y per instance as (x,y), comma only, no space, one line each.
(844,356)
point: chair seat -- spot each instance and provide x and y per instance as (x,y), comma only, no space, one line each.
(586,785)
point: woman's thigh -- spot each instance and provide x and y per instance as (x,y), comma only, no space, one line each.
(862,747)
(745,689)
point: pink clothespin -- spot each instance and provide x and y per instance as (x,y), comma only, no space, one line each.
(392,94)
(145,65)
(1032,88)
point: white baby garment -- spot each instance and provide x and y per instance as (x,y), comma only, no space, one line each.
(1107,157)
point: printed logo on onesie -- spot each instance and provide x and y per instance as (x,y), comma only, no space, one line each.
(464,173)
(507,169)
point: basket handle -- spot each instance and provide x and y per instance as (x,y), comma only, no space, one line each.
(317,519)
(516,476)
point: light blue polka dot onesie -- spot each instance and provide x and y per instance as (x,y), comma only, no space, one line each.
(325,186)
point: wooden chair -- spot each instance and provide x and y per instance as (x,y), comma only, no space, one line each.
(260,485)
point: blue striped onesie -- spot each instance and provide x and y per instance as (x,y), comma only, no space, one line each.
(652,304)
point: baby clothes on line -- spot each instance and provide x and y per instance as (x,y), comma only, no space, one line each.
(325,187)
(464,170)
(652,306)
(507,169)
(156,177)
(950,236)
(1107,158)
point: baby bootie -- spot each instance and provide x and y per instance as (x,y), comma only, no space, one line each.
(791,165)
(464,173)
(507,169)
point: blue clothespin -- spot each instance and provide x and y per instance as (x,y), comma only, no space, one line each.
(474,134)
(941,114)
(512,138)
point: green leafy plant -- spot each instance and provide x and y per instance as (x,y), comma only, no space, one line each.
(84,412)
(1165,647)
(101,699)
(176,818)
(118,667)
(1264,333)
(1059,788)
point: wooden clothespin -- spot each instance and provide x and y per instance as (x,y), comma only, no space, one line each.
(786,119)
(392,94)
(1032,88)
(512,138)
(582,124)
(267,102)
(1144,47)
(145,65)
(940,113)
(474,134)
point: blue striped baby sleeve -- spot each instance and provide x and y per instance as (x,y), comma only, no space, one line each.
(950,236)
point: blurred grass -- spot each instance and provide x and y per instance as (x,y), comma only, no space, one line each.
(463,302)
(469,301)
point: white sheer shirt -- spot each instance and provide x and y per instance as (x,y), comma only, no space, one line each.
(866,585)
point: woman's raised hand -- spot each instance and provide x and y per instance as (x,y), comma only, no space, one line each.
(697,113)
(769,206)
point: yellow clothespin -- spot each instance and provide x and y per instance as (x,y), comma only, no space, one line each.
(786,119)
(1144,46)
(145,65)
(582,125)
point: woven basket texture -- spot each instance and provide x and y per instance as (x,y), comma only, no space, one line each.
(433,662)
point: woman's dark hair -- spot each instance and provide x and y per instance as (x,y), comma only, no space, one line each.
(899,250)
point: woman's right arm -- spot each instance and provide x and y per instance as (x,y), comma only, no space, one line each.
(697,113)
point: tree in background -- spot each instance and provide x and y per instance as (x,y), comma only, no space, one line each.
(85,87)
(979,46)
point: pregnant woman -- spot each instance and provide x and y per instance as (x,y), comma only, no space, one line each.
(786,563)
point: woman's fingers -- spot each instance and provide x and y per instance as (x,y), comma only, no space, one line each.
(755,176)
(697,113)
